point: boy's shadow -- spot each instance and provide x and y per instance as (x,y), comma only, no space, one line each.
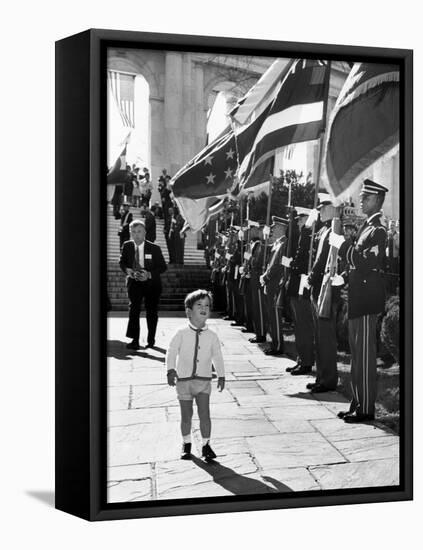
(238,484)
(117,349)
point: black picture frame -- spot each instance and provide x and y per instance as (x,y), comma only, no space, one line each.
(81,281)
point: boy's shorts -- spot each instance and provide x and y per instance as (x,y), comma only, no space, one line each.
(186,390)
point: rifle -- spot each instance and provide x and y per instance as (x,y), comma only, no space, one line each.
(324,302)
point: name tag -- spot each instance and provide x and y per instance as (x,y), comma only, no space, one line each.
(148,256)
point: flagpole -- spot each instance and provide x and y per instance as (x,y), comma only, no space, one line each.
(319,167)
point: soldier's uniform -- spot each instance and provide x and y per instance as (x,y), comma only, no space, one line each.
(366,300)
(271,278)
(324,329)
(300,306)
(257,294)
(245,288)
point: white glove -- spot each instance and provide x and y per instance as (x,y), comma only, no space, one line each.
(241,270)
(247,255)
(240,235)
(338,280)
(312,217)
(262,280)
(286,262)
(266,231)
(303,283)
(336,240)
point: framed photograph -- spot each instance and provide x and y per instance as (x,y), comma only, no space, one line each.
(233,298)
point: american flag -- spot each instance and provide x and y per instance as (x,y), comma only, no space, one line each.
(363,126)
(122,86)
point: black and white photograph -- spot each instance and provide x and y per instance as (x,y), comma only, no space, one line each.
(253,274)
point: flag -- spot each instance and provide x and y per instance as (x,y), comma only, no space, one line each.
(363,126)
(296,113)
(117,173)
(122,86)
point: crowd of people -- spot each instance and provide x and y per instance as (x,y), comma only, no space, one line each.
(295,270)
(135,191)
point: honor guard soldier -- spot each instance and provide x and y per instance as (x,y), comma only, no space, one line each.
(270,281)
(300,303)
(260,320)
(324,328)
(250,235)
(366,299)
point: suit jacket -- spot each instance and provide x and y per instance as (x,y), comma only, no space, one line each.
(366,258)
(153,261)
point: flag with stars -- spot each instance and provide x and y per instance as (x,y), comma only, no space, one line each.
(207,178)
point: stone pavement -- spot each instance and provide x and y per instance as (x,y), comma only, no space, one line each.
(270,435)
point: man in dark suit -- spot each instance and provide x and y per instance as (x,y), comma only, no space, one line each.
(366,257)
(125,220)
(142,261)
(150,223)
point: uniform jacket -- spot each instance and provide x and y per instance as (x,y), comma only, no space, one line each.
(274,271)
(322,248)
(299,264)
(366,258)
(153,261)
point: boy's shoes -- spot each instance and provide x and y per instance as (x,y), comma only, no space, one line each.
(133,345)
(208,453)
(186,451)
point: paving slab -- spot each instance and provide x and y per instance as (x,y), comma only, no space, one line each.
(131,472)
(128,417)
(336,430)
(305,411)
(370,448)
(129,491)
(286,480)
(293,450)
(373,473)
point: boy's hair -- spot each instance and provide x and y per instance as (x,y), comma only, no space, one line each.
(196,295)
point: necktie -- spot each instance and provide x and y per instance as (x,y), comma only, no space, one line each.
(137,258)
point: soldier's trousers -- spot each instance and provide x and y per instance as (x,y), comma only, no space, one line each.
(259,310)
(239,304)
(248,305)
(275,322)
(362,337)
(230,299)
(325,347)
(303,329)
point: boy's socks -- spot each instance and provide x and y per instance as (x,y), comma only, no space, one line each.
(187,438)
(206,440)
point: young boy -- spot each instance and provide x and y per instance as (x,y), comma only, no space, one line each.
(189,359)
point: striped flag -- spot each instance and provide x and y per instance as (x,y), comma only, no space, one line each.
(294,114)
(122,86)
(363,126)
(117,172)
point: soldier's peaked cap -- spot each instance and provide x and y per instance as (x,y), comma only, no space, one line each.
(372,188)
(277,219)
(324,198)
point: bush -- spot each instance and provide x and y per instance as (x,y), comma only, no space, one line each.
(390,327)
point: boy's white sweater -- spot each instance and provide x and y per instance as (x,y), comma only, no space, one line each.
(192,352)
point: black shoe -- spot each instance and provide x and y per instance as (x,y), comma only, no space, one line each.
(186,451)
(236,324)
(208,453)
(343,414)
(228,318)
(320,388)
(295,367)
(354,418)
(257,340)
(301,370)
(246,330)
(273,352)
(150,344)
(133,345)
(311,385)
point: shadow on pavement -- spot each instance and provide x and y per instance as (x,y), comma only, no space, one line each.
(117,350)
(46,497)
(238,484)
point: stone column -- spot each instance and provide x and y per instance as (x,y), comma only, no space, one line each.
(157,150)
(173,112)
(200,108)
